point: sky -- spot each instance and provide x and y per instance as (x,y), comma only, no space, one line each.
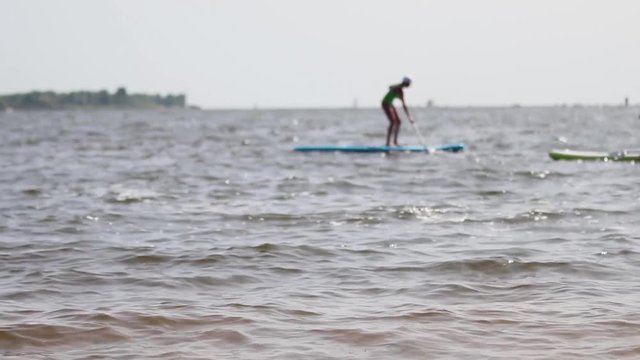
(327,53)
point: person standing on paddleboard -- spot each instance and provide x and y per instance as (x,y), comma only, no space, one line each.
(395,92)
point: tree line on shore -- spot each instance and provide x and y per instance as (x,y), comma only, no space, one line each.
(49,100)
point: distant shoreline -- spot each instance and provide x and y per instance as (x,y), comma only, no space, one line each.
(83,100)
(121,100)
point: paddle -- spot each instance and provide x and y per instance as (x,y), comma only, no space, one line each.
(415,128)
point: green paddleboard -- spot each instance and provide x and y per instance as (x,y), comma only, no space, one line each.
(566,154)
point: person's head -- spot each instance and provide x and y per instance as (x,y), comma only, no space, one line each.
(406,82)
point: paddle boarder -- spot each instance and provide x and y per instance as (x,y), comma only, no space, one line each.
(395,92)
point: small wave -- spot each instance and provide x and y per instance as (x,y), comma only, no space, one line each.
(431,214)
(497,266)
(176,322)
(450,290)
(534,215)
(29,294)
(200,281)
(79,277)
(146,259)
(285,271)
(540,174)
(419,211)
(305,251)
(280,219)
(203,261)
(97,318)
(266,248)
(32,192)
(623,252)
(230,337)
(582,212)
(153,322)
(355,337)
(363,220)
(295,312)
(68,230)
(627,352)
(120,194)
(365,252)
(273,309)
(166,322)
(501,267)
(273,217)
(422,315)
(45,335)
(343,184)
(492,193)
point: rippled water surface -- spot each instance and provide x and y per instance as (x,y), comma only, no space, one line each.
(202,235)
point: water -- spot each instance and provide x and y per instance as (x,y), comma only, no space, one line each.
(201,235)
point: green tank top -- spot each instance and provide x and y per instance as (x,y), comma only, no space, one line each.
(391,95)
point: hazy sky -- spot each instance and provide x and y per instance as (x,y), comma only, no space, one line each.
(319,53)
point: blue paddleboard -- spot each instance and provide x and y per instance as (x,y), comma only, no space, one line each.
(378,149)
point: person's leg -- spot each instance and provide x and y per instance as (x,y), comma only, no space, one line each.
(396,125)
(387,110)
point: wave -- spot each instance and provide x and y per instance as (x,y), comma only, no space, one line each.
(17,336)
(500,267)
(35,192)
(213,281)
(18,295)
(226,337)
(356,337)
(299,251)
(146,259)
(543,215)
(118,193)
(542,174)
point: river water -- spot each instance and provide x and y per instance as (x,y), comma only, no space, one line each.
(202,235)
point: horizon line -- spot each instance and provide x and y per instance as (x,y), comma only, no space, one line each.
(441,106)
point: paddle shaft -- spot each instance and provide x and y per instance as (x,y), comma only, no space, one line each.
(415,128)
